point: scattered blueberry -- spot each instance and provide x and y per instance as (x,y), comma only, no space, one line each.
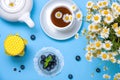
(19,70)
(70,76)
(22,67)
(14,69)
(48,68)
(33,37)
(98,70)
(78,58)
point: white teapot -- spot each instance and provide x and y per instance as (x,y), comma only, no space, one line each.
(16,10)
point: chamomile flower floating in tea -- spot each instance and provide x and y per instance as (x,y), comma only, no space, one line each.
(66,18)
(14,45)
(58,15)
(79,15)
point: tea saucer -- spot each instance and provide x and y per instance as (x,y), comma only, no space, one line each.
(50,30)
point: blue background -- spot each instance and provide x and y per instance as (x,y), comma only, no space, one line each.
(70,48)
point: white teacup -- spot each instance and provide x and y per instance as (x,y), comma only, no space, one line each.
(58,27)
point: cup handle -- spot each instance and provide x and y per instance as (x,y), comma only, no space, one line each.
(26,18)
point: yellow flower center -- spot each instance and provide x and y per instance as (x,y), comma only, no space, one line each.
(104,56)
(89,4)
(107,45)
(106,12)
(66,18)
(105,30)
(96,27)
(104,3)
(11,4)
(118,31)
(96,18)
(89,16)
(115,25)
(109,18)
(98,44)
(78,15)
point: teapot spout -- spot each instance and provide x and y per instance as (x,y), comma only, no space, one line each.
(26,18)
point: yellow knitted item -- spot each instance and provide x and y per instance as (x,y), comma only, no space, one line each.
(14,45)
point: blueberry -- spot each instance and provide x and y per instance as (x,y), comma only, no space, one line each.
(98,70)
(48,68)
(49,55)
(33,37)
(22,67)
(54,57)
(14,69)
(50,63)
(78,58)
(43,57)
(19,71)
(70,76)
(42,62)
(52,66)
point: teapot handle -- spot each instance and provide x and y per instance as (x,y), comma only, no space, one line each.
(26,18)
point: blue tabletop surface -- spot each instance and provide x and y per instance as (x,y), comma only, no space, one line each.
(81,70)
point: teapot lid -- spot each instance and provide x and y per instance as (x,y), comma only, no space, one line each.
(12,6)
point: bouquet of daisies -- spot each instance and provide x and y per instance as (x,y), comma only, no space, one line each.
(103,34)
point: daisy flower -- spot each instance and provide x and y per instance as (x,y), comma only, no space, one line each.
(105,12)
(114,53)
(100,4)
(96,28)
(105,3)
(115,26)
(74,7)
(106,76)
(89,4)
(109,19)
(90,27)
(58,15)
(89,17)
(107,45)
(70,18)
(98,44)
(97,18)
(66,18)
(118,9)
(88,56)
(79,15)
(118,32)
(113,60)
(117,76)
(105,32)
(118,61)
(104,56)
(95,7)
(114,5)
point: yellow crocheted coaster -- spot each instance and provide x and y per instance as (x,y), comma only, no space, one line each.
(14,45)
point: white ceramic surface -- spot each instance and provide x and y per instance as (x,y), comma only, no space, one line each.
(20,11)
(49,29)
